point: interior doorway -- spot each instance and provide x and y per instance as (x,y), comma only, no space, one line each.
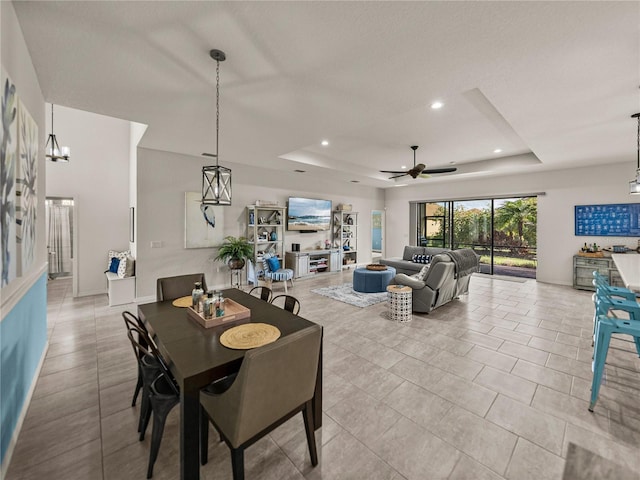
(59,214)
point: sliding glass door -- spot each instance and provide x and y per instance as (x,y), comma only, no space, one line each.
(501,230)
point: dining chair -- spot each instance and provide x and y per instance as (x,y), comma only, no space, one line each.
(274,383)
(161,389)
(287,302)
(170,288)
(599,281)
(265,293)
(131,320)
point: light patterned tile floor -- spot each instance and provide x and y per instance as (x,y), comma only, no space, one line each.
(493,385)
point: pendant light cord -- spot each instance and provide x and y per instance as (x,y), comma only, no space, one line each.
(638,140)
(218,115)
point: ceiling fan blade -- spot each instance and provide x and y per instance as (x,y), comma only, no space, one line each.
(397,176)
(440,170)
(392,171)
(424,175)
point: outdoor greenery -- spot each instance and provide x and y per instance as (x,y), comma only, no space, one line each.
(514,235)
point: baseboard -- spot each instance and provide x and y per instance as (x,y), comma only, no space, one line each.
(23,414)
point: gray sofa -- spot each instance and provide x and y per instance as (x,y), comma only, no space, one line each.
(405,265)
(447,278)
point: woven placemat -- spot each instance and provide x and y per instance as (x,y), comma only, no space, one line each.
(182,302)
(249,335)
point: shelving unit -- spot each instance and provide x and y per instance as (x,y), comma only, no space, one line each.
(265,229)
(345,236)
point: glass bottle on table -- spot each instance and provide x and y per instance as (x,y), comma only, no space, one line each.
(196,297)
(220,305)
(209,306)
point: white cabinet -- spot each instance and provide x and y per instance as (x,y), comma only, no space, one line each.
(311,262)
(345,236)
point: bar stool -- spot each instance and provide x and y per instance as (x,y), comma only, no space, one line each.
(607,326)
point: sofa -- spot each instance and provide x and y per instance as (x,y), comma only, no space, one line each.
(405,264)
(447,277)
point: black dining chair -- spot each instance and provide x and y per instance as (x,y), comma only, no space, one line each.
(275,382)
(287,302)
(131,320)
(170,288)
(265,293)
(160,387)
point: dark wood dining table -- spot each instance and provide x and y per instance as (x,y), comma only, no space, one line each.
(196,358)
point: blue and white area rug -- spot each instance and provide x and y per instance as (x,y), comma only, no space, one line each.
(345,293)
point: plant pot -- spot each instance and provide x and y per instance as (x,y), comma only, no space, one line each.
(236,263)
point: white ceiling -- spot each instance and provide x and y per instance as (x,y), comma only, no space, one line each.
(553,84)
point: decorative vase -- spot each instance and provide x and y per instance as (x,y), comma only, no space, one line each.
(236,263)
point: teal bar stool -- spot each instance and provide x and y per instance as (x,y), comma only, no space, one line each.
(607,326)
(604,304)
(599,281)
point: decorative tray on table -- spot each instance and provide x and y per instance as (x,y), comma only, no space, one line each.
(591,254)
(233,313)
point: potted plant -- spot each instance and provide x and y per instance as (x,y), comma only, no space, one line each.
(235,251)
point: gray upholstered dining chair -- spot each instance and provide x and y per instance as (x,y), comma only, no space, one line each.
(170,288)
(275,382)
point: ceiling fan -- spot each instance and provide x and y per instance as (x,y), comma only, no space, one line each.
(419,170)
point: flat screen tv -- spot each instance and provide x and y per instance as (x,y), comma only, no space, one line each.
(308,214)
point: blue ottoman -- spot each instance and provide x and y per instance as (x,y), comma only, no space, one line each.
(372,281)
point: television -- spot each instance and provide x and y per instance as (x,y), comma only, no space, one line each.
(308,214)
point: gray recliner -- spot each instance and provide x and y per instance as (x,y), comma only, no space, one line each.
(447,278)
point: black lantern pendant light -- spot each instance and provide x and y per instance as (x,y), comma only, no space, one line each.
(216,180)
(52,149)
(634,185)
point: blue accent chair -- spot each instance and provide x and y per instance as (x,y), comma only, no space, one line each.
(279,275)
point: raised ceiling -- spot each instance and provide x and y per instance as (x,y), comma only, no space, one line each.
(551,84)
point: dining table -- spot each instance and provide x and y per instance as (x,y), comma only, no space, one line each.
(196,358)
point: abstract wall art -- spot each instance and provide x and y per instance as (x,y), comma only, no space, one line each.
(8,161)
(26,195)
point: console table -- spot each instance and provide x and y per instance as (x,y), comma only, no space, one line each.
(583,268)
(310,262)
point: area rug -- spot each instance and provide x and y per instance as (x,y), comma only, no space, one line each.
(345,293)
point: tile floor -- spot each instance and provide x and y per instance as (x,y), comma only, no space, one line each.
(494,385)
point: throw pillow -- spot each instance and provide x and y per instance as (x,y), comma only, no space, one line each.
(130,270)
(122,256)
(419,258)
(113,267)
(422,274)
(274,264)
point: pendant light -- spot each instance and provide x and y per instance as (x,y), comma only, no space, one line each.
(634,185)
(216,180)
(52,149)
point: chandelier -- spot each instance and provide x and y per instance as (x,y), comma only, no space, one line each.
(216,180)
(52,149)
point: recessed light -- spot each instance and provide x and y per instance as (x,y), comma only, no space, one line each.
(400,185)
(300,171)
(452,163)
(324,143)
(437,105)
(403,167)
(497,150)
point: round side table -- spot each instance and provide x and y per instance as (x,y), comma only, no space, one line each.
(400,303)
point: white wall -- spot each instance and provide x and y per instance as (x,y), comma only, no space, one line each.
(564,189)
(97,177)
(163,177)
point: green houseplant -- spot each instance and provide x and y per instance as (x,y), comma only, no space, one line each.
(235,251)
